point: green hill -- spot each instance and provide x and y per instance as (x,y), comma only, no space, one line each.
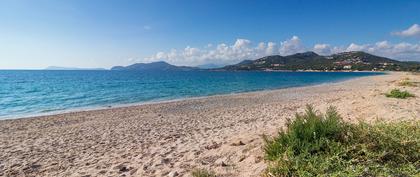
(154,66)
(356,60)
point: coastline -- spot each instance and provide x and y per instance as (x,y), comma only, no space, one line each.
(158,101)
(221,132)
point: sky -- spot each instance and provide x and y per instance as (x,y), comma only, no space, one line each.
(35,34)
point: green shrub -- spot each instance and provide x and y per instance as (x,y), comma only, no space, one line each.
(315,144)
(203,173)
(396,93)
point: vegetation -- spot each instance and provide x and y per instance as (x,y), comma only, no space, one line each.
(407,82)
(323,145)
(311,61)
(396,93)
(202,173)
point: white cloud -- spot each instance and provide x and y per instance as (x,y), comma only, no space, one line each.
(243,49)
(413,31)
(291,46)
(402,51)
(241,44)
(322,49)
(227,54)
(326,49)
(355,47)
(271,48)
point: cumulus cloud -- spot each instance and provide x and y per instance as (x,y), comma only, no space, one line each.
(271,48)
(355,47)
(413,31)
(291,46)
(242,49)
(223,53)
(326,49)
(402,51)
(323,49)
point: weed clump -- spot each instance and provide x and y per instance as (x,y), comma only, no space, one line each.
(203,173)
(406,83)
(396,93)
(322,144)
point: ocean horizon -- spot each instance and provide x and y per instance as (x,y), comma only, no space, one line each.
(26,93)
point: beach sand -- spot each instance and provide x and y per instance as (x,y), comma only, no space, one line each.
(219,133)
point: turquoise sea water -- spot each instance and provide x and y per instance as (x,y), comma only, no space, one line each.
(25,93)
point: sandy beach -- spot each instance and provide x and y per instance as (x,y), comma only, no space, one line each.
(220,133)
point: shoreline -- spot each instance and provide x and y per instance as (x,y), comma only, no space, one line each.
(221,133)
(157,101)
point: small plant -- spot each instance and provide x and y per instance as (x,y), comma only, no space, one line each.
(396,93)
(203,173)
(406,82)
(317,144)
(306,134)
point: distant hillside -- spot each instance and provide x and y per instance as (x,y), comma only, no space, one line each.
(311,61)
(70,68)
(154,66)
(209,66)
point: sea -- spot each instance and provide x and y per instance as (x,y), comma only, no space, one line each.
(25,93)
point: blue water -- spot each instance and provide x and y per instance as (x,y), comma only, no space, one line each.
(24,93)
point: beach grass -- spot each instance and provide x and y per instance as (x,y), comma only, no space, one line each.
(397,93)
(406,82)
(203,173)
(316,144)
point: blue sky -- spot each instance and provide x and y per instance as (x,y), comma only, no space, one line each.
(94,33)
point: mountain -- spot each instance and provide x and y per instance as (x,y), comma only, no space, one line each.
(245,62)
(154,66)
(209,66)
(355,60)
(70,68)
